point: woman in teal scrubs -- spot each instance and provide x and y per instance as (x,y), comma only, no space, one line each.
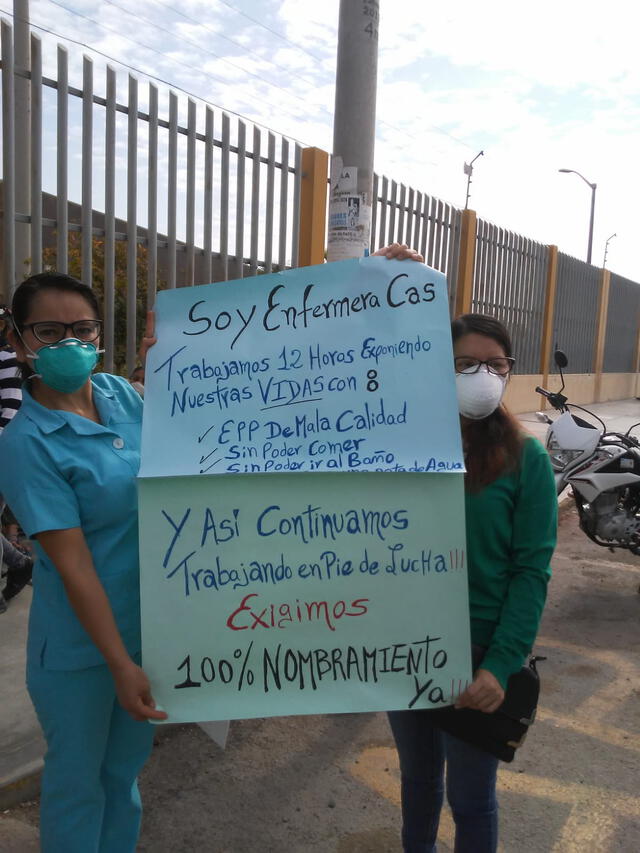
(68,463)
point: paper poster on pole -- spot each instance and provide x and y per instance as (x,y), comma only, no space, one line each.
(301,496)
(349,226)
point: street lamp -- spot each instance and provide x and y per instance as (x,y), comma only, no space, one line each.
(606,249)
(593,205)
(468,170)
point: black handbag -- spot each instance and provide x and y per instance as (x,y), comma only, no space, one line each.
(503,731)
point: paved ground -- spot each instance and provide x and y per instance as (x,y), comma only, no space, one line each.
(331,783)
(21,744)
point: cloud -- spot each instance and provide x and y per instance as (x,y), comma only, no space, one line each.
(537,87)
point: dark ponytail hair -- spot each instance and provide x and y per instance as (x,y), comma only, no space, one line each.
(26,292)
(493,445)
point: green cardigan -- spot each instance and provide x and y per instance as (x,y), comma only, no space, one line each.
(511,535)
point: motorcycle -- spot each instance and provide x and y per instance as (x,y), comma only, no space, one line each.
(601,467)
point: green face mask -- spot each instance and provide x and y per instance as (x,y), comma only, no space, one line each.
(67,365)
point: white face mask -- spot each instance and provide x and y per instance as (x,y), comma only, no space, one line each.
(479,394)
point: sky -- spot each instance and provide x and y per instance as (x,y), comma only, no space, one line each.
(537,87)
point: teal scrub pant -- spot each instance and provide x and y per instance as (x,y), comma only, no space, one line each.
(89,793)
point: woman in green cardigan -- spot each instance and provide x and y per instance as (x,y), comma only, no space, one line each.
(511,518)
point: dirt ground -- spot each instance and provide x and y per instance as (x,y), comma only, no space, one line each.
(330,784)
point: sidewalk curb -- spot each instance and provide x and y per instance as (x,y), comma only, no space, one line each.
(21,786)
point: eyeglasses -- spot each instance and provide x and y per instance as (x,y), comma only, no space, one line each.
(52,332)
(501,366)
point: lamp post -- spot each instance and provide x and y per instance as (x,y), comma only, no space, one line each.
(606,249)
(468,170)
(593,206)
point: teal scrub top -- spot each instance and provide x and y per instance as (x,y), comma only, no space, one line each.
(59,470)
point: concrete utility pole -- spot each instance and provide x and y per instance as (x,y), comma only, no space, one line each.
(350,193)
(22,60)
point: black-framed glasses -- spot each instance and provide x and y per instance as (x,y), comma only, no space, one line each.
(52,331)
(501,366)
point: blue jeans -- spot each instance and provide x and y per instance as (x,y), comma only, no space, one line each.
(471,786)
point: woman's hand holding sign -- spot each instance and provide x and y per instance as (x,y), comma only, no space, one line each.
(483,694)
(400,252)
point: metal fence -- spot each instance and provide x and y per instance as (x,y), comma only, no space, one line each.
(576,312)
(404,215)
(215,181)
(509,282)
(622,325)
(210,197)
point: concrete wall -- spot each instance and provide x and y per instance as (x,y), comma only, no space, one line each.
(579,388)
(618,386)
(520,396)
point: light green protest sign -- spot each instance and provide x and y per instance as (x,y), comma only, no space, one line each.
(281,594)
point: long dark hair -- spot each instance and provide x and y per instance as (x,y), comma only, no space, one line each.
(26,292)
(492,445)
